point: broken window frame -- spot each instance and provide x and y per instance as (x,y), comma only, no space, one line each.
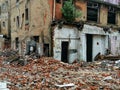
(58,1)
(95,8)
(111,18)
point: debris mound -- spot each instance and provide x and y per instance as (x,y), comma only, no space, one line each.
(46,73)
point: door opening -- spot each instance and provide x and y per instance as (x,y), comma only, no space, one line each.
(64,53)
(89,45)
(16,42)
(46,50)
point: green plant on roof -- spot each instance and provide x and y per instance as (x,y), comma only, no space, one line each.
(70,12)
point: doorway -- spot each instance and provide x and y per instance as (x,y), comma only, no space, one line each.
(89,44)
(64,53)
(16,42)
(46,50)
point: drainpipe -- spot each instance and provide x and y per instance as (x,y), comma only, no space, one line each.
(54,9)
(9,22)
(51,31)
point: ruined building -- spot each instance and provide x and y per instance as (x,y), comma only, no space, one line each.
(4,24)
(25,23)
(40,26)
(96,31)
(30,21)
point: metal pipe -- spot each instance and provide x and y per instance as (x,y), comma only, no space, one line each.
(54,9)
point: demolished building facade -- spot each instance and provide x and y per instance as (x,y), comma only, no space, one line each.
(30,19)
(4,24)
(99,33)
(96,31)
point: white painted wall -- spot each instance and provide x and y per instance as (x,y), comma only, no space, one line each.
(98,36)
(115,43)
(71,32)
(82,46)
(66,34)
(98,45)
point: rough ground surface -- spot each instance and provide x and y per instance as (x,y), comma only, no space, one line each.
(47,74)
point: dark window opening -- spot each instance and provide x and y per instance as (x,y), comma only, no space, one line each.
(17,42)
(18,22)
(4,24)
(6,2)
(17,1)
(92,11)
(36,38)
(26,14)
(23,15)
(58,1)
(111,15)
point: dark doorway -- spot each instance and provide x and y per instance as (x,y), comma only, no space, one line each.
(17,42)
(46,50)
(36,38)
(64,53)
(89,45)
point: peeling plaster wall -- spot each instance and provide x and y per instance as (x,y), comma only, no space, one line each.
(118,18)
(115,43)
(4,17)
(99,36)
(98,45)
(1,43)
(66,34)
(39,18)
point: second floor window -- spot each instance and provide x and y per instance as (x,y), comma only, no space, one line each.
(18,22)
(3,7)
(58,1)
(92,11)
(111,15)
(4,24)
(17,1)
(26,14)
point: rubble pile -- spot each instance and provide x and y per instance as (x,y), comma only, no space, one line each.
(49,74)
